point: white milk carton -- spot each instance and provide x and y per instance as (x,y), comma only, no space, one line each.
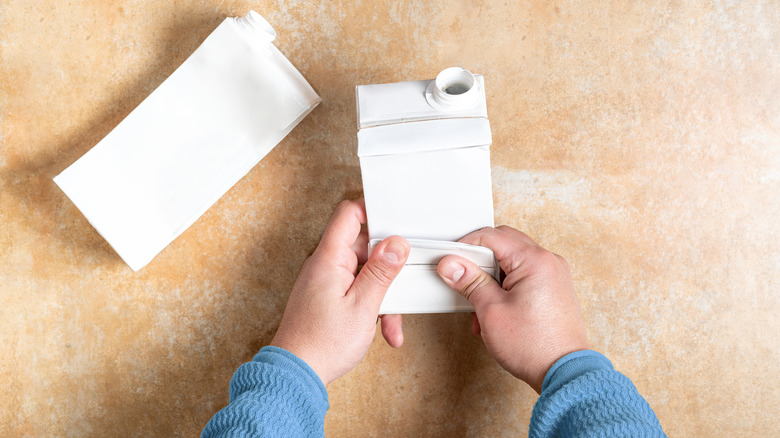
(186,144)
(424,149)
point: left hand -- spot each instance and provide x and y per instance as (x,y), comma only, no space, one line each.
(330,318)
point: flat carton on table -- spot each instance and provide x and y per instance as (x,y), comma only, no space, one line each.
(234,99)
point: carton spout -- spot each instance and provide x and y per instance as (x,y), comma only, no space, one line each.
(455,88)
(255,23)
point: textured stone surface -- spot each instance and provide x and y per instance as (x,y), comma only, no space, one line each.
(640,141)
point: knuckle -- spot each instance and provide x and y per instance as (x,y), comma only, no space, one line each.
(475,284)
(344,204)
(548,258)
(311,262)
(545,261)
(379,273)
(562,261)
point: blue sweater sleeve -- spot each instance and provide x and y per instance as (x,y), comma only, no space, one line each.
(276,394)
(583,396)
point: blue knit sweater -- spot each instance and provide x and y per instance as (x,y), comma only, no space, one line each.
(278,394)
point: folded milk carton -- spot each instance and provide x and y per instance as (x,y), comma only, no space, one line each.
(424,149)
(187,143)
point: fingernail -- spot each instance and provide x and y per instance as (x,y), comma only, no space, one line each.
(453,271)
(394,252)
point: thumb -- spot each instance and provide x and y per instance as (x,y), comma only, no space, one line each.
(469,280)
(381,268)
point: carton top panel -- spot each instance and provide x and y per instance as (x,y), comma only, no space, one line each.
(383,104)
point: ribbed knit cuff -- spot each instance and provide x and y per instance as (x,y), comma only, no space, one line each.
(275,394)
(573,365)
(283,359)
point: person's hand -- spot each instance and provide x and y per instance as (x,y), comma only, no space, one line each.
(331,315)
(533,318)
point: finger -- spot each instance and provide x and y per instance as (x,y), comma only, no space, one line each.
(381,268)
(510,247)
(516,234)
(344,226)
(475,328)
(469,280)
(360,247)
(392,330)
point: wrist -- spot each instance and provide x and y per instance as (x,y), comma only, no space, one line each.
(304,355)
(573,365)
(538,379)
(294,365)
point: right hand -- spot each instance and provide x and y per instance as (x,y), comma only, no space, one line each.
(533,318)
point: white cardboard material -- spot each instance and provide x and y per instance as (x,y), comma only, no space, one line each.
(426,176)
(420,274)
(192,139)
(430,252)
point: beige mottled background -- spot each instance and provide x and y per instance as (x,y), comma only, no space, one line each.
(640,141)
